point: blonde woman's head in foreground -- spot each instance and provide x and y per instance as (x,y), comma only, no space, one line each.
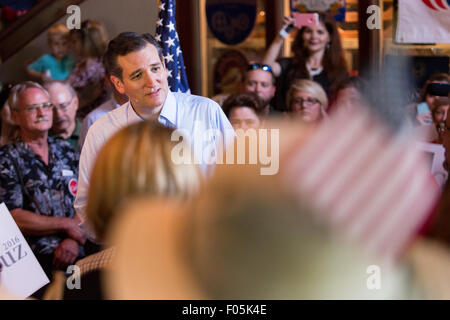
(243,238)
(136,162)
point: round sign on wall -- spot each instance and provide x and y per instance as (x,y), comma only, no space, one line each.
(231,21)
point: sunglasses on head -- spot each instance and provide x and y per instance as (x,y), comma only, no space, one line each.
(438,89)
(255,66)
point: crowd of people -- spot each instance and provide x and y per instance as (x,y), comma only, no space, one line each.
(89,172)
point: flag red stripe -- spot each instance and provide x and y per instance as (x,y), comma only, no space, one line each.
(440,4)
(370,190)
(428,3)
(390,210)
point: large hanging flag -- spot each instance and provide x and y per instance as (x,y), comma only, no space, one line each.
(167,36)
(423,21)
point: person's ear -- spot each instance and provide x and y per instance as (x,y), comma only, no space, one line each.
(14,116)
(118,84)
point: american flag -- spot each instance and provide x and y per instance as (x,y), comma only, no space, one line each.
(364,180)
(167,36)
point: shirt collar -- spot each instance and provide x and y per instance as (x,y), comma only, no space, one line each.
(131,114)
(168,112)
(169,109)
(77,130)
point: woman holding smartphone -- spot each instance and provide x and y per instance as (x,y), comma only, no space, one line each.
(318,56)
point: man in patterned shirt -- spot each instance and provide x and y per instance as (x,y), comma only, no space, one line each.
(38,180)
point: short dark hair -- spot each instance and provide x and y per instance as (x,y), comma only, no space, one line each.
(248,99)
(123,44)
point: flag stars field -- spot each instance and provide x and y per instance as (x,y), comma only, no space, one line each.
(166,34)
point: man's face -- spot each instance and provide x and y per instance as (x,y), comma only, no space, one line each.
(260,82)
(144,78)
(34,114)
(65,108)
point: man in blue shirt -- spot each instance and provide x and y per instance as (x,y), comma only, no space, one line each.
(135,65)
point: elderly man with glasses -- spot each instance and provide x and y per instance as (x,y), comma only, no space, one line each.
(65,106)
(38,180)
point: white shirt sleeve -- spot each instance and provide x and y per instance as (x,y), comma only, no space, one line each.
(91,147)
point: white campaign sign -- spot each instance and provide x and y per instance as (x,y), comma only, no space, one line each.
(21,275)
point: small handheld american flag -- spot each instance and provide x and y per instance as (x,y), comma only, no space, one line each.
(365,180)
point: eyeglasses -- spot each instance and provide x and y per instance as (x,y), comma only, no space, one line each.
(63,106)
(309,102)
(255,66)
(33,108)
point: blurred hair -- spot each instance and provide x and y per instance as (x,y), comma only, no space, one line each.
(310,87)
(93,37)
(441,102)
(66,85)
(5,90)
(136,162)
(123,44)
(334,63)
(13,99)
(58,31)
(437,77)
(249,100)
(247,238)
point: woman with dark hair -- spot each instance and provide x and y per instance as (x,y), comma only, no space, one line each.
(318,56)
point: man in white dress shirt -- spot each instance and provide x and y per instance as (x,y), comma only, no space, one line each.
(135,65)
(115,101)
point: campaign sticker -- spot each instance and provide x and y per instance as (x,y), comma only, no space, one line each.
(73,186)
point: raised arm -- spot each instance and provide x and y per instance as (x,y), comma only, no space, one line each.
(275,47)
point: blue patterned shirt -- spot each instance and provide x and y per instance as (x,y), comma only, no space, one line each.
(48,190)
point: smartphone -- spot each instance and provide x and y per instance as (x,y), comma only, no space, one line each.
(305,19)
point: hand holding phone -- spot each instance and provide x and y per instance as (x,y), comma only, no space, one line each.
(305,19)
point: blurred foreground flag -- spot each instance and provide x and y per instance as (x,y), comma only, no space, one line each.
(423,21)
(366,181)
(167,36)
